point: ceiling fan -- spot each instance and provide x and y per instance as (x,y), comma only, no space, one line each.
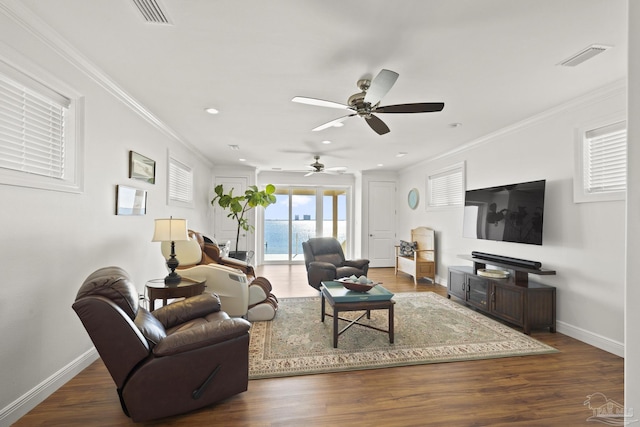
(317,167)
(367,102)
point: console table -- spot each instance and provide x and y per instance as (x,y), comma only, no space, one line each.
(515,299)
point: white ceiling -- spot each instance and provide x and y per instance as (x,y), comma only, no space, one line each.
(492,62)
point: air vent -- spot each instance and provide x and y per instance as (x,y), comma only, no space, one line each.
(152,12)
(584,54)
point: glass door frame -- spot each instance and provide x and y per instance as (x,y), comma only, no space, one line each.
(319,191)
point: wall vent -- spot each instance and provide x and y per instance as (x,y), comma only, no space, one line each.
(152,12)
(584,54)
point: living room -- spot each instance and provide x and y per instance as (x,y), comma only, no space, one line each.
(67,235)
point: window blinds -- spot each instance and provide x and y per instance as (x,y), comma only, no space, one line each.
(180,182)
(446,188)
(606,159)
(31,130)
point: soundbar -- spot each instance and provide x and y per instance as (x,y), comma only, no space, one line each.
(534,265)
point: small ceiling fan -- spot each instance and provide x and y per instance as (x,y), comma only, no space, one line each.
(367,102)
(317,167)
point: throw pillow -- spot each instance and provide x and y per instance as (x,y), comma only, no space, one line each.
(407,248)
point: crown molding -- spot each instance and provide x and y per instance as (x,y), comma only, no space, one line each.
(616,88)
(28,20)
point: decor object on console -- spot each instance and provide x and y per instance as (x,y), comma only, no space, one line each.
(418,257)
(171,230)
(241,293)
(325,261)
(239,206)
(176,359)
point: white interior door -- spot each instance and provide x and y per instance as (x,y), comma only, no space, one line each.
(382,213)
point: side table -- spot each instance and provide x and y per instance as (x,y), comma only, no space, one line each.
(185,289)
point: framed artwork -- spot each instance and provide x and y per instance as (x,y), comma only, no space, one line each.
(142,168)
(413,198)
(130,201)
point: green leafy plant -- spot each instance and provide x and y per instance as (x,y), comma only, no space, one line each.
(238,206)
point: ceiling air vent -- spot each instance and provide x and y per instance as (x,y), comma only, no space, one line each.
(152,12)
(584,54)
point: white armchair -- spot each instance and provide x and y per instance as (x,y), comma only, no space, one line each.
(241,295)
(230,284)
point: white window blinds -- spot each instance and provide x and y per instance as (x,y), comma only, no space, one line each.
(446,188)
(180,182)
(605,162)
(32,129)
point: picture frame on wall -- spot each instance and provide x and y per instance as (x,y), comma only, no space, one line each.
(142,168)
(130,201)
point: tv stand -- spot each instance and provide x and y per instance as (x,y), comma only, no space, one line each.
(514,299)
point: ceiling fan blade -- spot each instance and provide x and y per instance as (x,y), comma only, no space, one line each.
(423,107)
(309,173)
(377,125)
(380,85)
(336,169)
(332,123)
(319,102)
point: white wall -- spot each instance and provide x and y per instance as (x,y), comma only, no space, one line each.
(50,241)
(632,296)
(584,243)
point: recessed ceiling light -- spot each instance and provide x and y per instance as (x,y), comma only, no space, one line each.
(401,154)
(211,110)
(380,165)
(326,141)
(234,147)
(242,160)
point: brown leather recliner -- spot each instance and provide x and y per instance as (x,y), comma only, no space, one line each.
(178,358)
(325,260)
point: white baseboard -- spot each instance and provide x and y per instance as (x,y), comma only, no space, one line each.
(591,338)
(603,343)
(39,393)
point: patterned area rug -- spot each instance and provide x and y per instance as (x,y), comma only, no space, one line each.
(429,328)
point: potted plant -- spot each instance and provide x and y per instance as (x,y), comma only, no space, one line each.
(238,206)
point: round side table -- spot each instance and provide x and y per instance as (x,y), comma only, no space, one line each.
(185,289)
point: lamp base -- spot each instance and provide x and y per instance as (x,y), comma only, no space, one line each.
(172,279)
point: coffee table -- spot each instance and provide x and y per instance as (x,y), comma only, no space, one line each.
(186,288)
(341,299)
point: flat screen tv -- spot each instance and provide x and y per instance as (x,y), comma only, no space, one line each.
(507,213)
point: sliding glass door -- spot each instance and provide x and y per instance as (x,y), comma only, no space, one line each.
(299,214)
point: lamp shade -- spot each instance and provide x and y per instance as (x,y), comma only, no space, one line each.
(170,230)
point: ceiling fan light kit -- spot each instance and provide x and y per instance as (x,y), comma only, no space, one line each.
(366,102)
(317,167)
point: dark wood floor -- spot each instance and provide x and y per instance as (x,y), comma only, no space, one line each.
(546,390)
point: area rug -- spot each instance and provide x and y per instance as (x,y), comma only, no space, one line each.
(429,328)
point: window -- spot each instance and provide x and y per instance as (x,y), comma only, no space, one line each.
(446,187)
(601,169)
(180,186)
(39,144)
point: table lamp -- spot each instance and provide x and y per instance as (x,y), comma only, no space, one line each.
(170,230)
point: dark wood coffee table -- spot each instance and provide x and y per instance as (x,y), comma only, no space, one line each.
(185,289)
(333,293)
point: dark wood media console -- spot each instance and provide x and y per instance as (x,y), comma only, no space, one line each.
(515,299)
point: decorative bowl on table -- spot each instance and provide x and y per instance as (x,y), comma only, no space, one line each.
(357,284)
